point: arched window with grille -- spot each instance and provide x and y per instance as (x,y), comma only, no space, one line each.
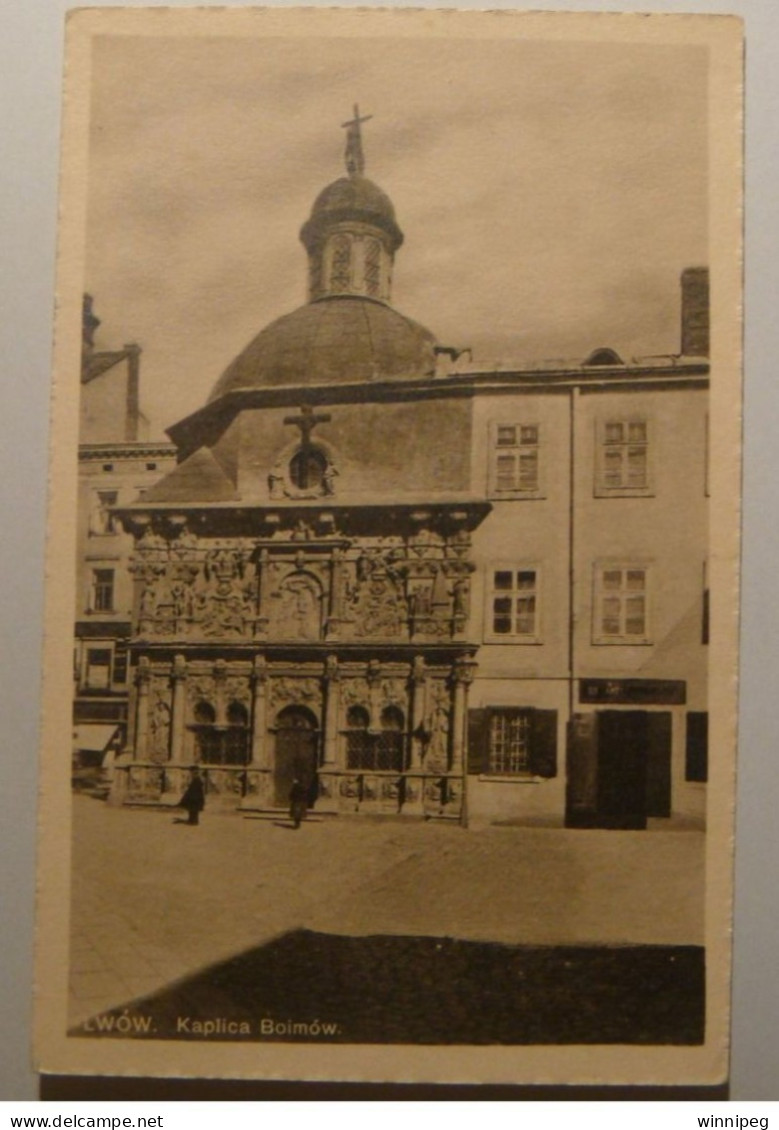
(357,739)
(375,751)
(206,734)
(221,744)
(389,743)
(236,736)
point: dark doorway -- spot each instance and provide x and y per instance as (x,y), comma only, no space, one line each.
(622,768)
(296,753)
(619,769)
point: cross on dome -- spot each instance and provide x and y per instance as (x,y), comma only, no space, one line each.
(354,157)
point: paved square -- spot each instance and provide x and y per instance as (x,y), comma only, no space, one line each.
(155,900)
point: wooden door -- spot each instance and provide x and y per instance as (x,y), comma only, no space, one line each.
(296,753)
(622,768)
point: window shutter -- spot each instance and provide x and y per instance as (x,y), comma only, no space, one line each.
(478,741)
(658,765)
(696,760)
(543,743)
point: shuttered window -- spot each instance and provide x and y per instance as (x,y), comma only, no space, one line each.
(508,741)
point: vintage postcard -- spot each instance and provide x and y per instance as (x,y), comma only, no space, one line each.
(390,676)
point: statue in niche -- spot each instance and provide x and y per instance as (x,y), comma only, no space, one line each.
(329,476)
(147,603)
(438,745)
(421,602)
(276,481)
(298,607)
(460,595)
(159,728)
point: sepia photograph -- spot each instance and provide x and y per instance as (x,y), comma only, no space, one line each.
(392,603)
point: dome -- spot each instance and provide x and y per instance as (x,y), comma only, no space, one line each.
(336,340)
(351,198)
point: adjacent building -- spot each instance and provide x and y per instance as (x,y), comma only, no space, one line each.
(426,589)
(116,463)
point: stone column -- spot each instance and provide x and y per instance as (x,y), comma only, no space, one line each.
(177,752)
(142,709)
(261,623)
(418,683)
(332,676)
(259,715)
(463,677)
(220,704)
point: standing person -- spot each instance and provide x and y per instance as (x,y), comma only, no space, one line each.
(194,798)
(298,802)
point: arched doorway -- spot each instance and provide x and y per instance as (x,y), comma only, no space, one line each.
(297,740)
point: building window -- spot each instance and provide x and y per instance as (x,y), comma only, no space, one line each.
(97,675)
(512,612)
(341,269)
(373,268)
(623,457)
(102,590)
(308,469)
(621,604)
(511,741)
(705,605)
(120,664)
(225,744)
(697,750)
(151,466)
(101,520)
(379,751)
(236,737)
(515,458)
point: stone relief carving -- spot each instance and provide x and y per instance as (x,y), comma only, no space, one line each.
(288,690)
(378,606)
(237,689)
(355,692)
(296,607)
(159,719)
(201,688)
(437,726)
(377,587)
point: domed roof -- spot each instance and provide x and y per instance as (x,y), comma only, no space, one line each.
(352,198)
(336,340)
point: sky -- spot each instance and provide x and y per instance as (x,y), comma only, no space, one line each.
(550,192)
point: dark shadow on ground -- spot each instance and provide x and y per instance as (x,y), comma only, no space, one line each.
(304,986)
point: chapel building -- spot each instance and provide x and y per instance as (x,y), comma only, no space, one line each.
(425,589)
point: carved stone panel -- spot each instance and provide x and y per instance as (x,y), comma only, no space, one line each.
(296,607)
(159,718)
(288,690)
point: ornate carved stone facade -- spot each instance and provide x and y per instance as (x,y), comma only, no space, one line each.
(305,650)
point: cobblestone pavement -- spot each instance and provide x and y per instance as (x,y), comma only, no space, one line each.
(154,900)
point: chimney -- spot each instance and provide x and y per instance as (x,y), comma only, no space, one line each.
(695,312)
